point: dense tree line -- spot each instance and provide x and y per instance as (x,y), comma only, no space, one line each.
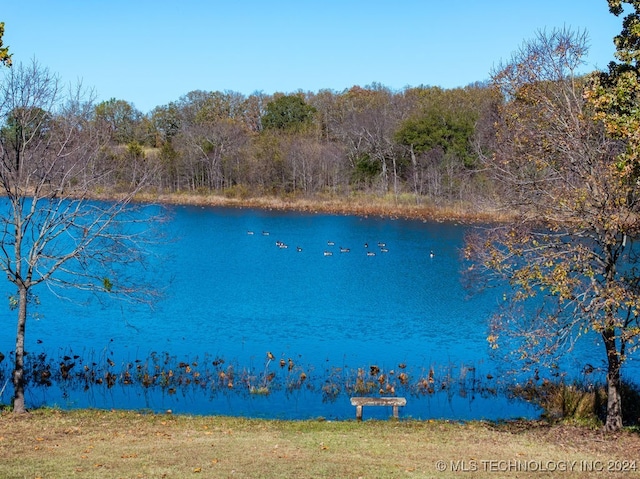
(418,143)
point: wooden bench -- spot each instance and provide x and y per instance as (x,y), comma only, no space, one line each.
(359,402)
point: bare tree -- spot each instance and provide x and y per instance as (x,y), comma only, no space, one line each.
(52,232)
(572,241)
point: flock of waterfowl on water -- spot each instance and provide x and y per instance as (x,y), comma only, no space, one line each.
(381,247)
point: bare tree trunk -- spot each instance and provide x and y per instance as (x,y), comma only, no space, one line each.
(395,179)
(414,164)
(614,400)
(18,371)
(385,176)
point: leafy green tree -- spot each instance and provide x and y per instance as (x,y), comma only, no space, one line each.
(22,124)
(439,138)
(120,118)
(167,121)
(288,113)
(569,251)
(439,126)
(615,97)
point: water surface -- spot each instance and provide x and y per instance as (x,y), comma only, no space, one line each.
(235,293)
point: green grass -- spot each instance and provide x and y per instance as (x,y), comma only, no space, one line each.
(50,443)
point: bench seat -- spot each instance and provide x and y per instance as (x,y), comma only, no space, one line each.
(395,402)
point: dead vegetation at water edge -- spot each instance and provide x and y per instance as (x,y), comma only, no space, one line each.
(405,207)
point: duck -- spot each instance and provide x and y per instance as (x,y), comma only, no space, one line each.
(431,254)
(298,249)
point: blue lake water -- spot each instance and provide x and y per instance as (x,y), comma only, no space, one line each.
(333,318)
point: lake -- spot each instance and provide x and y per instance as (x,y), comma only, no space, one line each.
(281,315)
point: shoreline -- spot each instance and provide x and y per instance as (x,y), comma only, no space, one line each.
(364,206)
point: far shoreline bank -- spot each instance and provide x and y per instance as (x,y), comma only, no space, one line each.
(364,206)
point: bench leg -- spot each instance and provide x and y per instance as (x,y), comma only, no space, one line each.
(359,413)
(395,412)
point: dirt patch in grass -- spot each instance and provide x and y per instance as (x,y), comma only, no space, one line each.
(89,443)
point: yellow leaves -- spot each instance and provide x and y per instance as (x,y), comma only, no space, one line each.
(5,56)
(492,339)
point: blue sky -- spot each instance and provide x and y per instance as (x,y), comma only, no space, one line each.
(152,52)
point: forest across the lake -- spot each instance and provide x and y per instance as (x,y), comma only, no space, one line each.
(367,149)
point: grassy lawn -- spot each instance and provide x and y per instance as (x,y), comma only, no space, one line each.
(114,444)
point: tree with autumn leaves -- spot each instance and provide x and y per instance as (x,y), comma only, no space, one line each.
(566,165)
(5,57)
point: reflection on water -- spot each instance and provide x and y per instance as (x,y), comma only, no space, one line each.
(235,292)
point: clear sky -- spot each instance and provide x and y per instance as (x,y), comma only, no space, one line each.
(152,52)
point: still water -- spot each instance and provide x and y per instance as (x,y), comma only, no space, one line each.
(276,314)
